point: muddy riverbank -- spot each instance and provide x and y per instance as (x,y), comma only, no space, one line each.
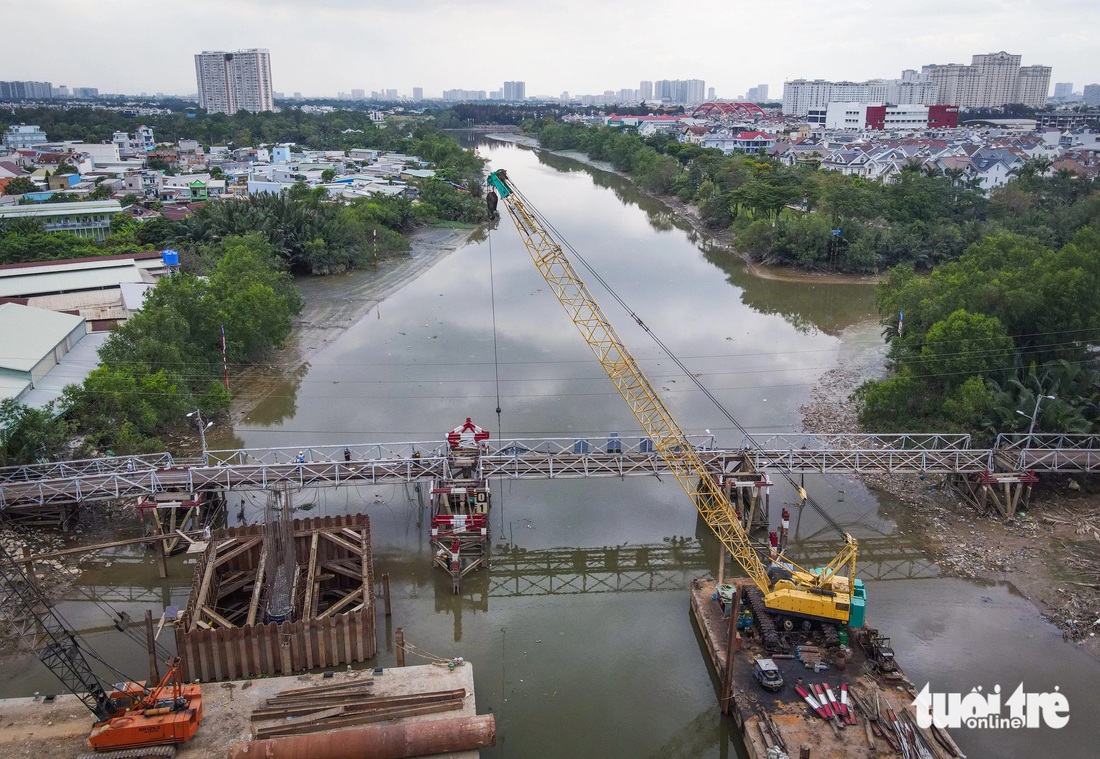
(1041,551)
(333,304)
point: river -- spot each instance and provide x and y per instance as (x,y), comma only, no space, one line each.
(585,659)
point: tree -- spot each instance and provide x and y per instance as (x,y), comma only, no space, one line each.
(328,175)
(66,168)
(20,186)
(29,434)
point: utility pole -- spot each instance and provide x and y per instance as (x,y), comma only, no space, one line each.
(1031,427)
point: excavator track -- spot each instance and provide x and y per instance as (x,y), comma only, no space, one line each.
(764,620)
(832,639)
(149,752)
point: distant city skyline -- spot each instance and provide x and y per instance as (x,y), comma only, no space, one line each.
(539,45)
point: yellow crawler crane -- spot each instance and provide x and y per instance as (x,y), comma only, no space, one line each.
(789,591)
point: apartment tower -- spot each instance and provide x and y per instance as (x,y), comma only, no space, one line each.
(231,82)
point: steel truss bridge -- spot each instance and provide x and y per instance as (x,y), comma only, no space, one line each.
(31,487)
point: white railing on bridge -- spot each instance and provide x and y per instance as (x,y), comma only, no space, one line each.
(321,453)
(580,445)
(1047,440)
(862,441)
(50,470)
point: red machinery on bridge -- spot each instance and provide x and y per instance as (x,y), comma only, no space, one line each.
(460,507)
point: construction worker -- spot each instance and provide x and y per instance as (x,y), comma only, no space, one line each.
(347,453)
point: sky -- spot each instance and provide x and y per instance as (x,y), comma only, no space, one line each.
(322,47)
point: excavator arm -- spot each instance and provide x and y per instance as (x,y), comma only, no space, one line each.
(801,593)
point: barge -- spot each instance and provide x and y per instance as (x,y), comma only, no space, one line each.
(843,700)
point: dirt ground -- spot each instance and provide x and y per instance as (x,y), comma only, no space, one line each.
(32,729)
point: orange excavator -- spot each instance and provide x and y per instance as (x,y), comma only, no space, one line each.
(132,720)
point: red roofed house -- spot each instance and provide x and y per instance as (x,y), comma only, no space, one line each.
(739,142)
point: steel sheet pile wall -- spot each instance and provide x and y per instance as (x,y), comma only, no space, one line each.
(334,622)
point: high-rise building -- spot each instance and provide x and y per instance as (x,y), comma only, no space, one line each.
(710,93)
(990,81)
(998,73)
(1091,94)
(231,82)
(26,91)
(418,93)
(1033,86)
(515,91)
(1063,90)
(681,91)
(358,94)
(645,90)
(757,94)
(86,93)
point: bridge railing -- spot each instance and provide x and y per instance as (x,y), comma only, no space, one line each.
(321,453)
(582,445)
(61,469)
(863,441)
(1047,440)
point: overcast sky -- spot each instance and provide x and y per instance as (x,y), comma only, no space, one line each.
(321,47)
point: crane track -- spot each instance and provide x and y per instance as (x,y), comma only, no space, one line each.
(764,620)
(149,752)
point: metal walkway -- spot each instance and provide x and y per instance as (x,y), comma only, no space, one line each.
(55,484)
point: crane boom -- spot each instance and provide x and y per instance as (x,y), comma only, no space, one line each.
(30,616)
(820,595)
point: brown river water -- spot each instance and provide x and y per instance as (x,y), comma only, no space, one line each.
(576,656)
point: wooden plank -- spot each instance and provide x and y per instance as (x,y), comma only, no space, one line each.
(333,643)
(97,547)
(234,582)
(309,608)
(230,645)
(364,572)
(246,545)
(217,618)
(341,567)
(204,591)
(346,600)
(257,589)
(347,545)
(358,719)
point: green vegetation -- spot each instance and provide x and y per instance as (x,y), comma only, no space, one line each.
(984,336)
(166,360)
(920,219)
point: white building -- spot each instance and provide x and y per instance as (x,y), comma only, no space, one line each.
(990,81)
(231,82)
(22,136)
(515,91)
(801,95)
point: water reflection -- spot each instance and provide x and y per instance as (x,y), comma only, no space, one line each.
(807,306)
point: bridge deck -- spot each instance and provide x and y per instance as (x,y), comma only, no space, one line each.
(60,483)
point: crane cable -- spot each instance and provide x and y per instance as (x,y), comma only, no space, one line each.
(496,357)
(750,442)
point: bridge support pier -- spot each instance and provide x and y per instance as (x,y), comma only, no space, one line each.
(1003,492)
(750,493)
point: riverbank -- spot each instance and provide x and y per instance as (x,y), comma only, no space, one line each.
(1044,552)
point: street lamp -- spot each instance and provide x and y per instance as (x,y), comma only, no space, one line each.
(202,430)
(1034,416)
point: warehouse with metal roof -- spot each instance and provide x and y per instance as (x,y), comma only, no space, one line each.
(32,342)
